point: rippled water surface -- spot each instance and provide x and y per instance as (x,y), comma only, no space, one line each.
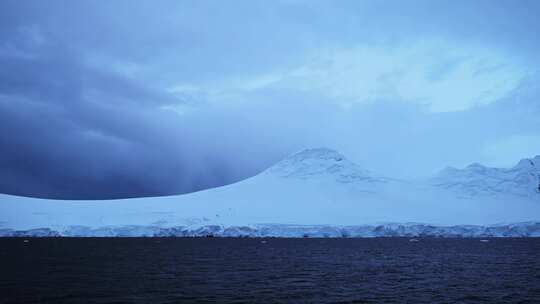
(226,270)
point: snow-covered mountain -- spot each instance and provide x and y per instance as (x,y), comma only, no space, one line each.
(321,163)
(315,192)
(477,180)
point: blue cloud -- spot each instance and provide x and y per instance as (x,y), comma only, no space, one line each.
(124,98)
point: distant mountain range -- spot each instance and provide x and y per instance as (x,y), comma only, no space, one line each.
(315,192)
(477,180)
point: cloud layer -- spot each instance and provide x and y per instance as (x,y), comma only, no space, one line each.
(123,99)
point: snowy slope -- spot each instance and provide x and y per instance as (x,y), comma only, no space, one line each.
(313,192)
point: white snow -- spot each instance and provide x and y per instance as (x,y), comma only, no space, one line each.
(521,180)
(315,192)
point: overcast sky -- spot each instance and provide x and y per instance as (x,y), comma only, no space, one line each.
(106,99)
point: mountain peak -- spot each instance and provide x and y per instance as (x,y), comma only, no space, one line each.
(522,179)
(317,153)
(529,163)
(317,163)
(477,167)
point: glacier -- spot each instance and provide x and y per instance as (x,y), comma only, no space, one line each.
(526,229)
(312,193)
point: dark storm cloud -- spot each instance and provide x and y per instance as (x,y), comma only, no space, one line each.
(87,110)
(71,130)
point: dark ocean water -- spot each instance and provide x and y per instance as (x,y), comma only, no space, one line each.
(226,270)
